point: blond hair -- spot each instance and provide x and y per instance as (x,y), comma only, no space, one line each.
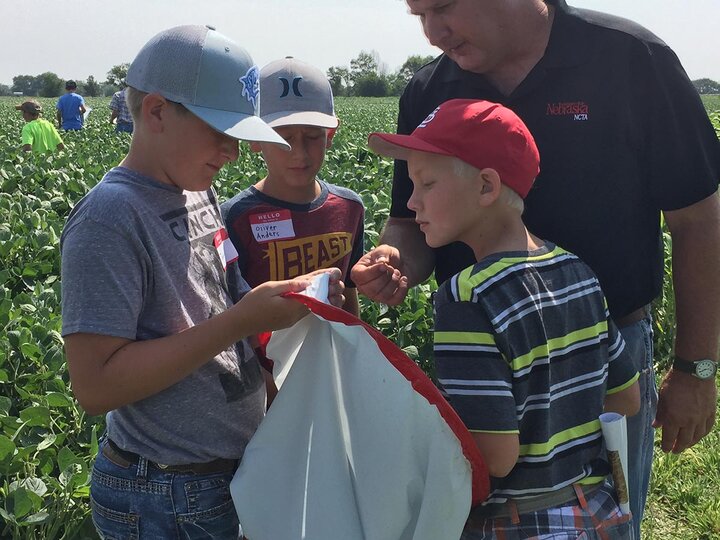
(507,196)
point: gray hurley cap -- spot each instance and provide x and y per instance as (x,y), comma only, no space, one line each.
(210,74)
(293,92)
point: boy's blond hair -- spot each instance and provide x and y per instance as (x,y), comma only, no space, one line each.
(507,196)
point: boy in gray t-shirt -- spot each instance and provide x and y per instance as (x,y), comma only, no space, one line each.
(152,334)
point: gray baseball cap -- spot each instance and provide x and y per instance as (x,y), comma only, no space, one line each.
(208,73)
(293,92)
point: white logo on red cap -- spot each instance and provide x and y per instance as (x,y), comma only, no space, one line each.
(429,118)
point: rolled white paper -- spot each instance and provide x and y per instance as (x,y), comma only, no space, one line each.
(319,288)
(614,429)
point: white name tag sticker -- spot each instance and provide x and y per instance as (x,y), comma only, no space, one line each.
(275,225)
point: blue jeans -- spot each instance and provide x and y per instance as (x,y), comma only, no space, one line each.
(124,127)
(140,501)
(639,340)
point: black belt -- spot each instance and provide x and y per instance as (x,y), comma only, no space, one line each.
(632,317)
(125,458)
(514,507)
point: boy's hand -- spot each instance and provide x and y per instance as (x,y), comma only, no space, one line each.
(378,277)
(336,287)
(264,308)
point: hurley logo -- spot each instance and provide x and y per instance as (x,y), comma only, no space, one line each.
(579,110)
(295,86)
(251,85)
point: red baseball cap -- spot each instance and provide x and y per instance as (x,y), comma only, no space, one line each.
(480,133)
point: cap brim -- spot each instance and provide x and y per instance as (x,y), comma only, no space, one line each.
(302,118)
(246,127)
(399,146)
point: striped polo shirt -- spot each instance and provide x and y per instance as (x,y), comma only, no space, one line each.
(524,344)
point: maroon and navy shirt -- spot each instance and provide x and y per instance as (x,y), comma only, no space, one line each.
(278,240)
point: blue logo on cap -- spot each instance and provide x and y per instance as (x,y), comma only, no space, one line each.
(251,85)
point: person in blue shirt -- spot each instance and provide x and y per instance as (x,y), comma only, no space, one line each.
(70,108)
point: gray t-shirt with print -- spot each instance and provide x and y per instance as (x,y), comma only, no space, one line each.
(140,261)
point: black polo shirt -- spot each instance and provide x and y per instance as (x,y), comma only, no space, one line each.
(622,135)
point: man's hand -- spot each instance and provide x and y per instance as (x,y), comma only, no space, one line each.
(377,276)
(686,410)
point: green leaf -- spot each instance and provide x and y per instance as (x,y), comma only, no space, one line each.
(47,442)
(32,484)
(5,405)
(20,502)
(7,447)
(94,441)
(66,458)
(37,518)
(28,308)
(36,416)
(56,399)
(7,516)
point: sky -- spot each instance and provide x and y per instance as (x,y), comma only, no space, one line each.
(78,38)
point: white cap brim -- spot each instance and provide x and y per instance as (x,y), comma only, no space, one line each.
(246,127)
(301,118)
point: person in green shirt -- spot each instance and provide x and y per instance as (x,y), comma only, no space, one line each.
(38,134)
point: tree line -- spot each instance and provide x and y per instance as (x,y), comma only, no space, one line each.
(49,84)
(367,76)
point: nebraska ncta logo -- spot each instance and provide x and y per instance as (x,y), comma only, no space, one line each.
(579,110)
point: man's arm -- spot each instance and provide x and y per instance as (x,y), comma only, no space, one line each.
(113,116)
(59,118)
(686,406)
(402,260)
(27,147)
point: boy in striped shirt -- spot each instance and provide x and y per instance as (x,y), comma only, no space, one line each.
(524,345)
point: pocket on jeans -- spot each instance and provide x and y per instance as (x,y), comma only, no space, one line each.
(207,492)
(220,522)
(114,525)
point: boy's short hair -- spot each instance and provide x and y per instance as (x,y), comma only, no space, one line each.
(209,74)
(480,133)
(31,107)
(507,196)
(293,92)
(134,99)
(70,85)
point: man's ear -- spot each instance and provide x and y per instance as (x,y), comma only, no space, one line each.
(255,146)
(490,185)
(154,110)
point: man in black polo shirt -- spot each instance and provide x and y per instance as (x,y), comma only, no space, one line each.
(623,137)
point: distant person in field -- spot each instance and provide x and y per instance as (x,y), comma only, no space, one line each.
(626,143)
(120,114)
(38,135)
(525,347)
(155,337)
(70,108)
(291,222)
